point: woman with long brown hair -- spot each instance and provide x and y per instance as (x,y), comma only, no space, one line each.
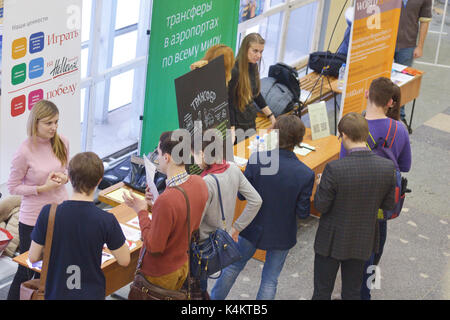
(38,173)
(244,86)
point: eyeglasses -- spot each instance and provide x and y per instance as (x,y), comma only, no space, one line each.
(153,157)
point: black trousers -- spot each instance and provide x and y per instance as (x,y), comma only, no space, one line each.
(23,274)
(325,271)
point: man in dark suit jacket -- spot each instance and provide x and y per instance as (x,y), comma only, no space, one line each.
(286,195)
(350,192)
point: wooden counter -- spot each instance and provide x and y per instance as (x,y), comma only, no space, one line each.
(116,276)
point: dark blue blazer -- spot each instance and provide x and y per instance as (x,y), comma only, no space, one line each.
(285,194)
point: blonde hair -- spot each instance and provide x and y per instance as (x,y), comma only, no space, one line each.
(41,110)
(244,87)
(228,56)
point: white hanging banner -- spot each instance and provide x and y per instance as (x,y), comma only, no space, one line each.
(41,60)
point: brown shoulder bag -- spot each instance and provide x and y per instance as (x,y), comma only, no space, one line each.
(142,289)
(34,289)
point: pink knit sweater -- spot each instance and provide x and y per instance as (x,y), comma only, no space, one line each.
(30,167)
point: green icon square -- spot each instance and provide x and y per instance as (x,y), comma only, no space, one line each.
(19,73)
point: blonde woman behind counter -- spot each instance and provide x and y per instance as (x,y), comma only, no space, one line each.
(38,173)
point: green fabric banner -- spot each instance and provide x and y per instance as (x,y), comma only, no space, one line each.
(181,33)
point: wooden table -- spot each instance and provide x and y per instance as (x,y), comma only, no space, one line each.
(116,276)
(319,87)
(327,149)
(409,92)
(105,194)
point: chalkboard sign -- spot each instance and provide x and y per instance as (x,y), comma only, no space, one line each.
(202,96)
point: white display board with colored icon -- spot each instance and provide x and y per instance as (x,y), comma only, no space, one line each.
(41,55)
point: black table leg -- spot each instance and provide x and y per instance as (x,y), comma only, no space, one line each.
(410,119)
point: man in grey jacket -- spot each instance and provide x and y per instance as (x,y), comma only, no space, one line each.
(350,192)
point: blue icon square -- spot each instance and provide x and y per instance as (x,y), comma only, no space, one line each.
(36,42)
(36,68)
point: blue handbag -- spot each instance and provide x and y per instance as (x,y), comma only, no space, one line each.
(216,252)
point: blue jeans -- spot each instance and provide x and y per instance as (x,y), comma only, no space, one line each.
(271,271)
(404,56)
(373,260)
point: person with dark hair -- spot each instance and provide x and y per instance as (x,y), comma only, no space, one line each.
(286,196)
(382,115)
(80,232)
(231,181)
(349,194)
(38,174)
(244,86)
(165,262)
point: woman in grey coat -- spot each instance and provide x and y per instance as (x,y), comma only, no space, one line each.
(231,181)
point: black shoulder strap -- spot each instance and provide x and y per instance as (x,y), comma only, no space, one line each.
(386,142)
(220,200)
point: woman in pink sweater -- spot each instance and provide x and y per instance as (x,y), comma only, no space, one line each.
(38,173)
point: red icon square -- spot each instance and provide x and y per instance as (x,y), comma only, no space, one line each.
(18,105)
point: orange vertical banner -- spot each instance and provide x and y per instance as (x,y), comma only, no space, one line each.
(371,50)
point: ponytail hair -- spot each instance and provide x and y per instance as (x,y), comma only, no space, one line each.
(41,110)
(381,91)
(394,111)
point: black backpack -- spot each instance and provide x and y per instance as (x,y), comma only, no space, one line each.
(331,61)
(288,76)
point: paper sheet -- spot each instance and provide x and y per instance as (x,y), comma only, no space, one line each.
(135,221)
(307,146)
(150,170)
(318,116)
(117,194)
(106,256)
(36,265)
(398,67)
(400,78)
(301,151)
(131,245)
(304,94)
(131,233)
